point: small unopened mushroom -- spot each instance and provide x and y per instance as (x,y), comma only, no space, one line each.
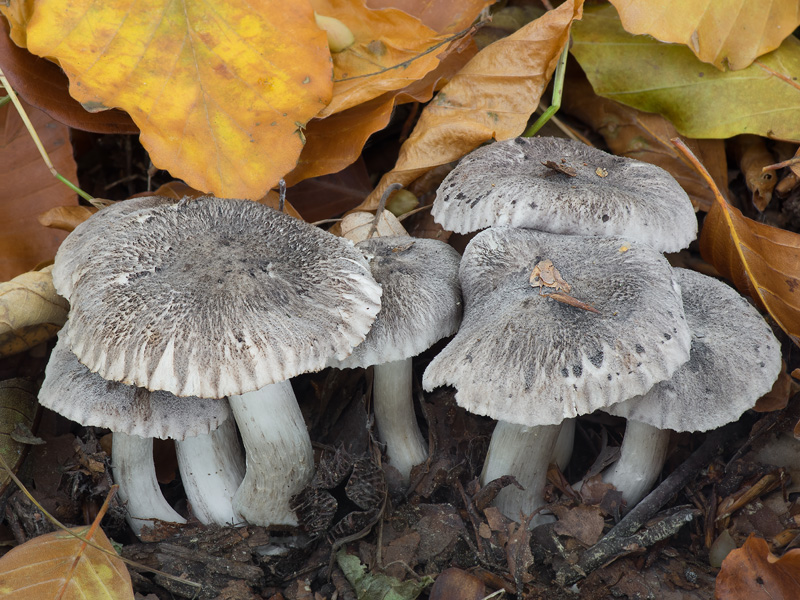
(421,304)
(214,298)
(137,415)
(531,359)
(561,186)
(734,360)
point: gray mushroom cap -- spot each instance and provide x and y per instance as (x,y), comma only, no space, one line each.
(735,359)
(528,359)
(421,301)
(77,249)
(70,389)
(212,297)
(505,183)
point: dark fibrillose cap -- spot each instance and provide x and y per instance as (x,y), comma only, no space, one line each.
(735,359)
(73,391)
(526,358)
(421,301)
(212,297)
(505,183)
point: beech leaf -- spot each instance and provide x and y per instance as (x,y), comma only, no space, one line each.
(219,92)
(700,100)
(58,565)
(28,188)
(444,16)
(729,34)
(753,572)
(492,96)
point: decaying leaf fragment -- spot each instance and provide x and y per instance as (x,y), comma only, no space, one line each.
(214,92)
(752,154)
(59,565)
(493,96)
(729,34)
(369,586)
(754,572)
(30,311)
(17,408)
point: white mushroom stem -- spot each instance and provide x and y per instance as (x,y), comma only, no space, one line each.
(525,453)
(394,414)
(212,468)
(566,440)
(642,456)
(280,460)
(134,471)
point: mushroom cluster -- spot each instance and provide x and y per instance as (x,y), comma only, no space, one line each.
(569,305)
(212,298)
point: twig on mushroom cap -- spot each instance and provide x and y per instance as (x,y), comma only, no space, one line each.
(525,359)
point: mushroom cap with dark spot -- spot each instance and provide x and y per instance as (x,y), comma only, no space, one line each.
(76,250)
(212,297)
(505,183)
(421,301)
(70,389)
(523,357)
(735,359)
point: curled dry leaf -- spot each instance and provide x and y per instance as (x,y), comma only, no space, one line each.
(443,16)
(28,188)
(752,154)
(493,96)
(700,100)
(213,92)
(17,408)
(753,572)
(729,34)
(30,311)
(66,217)
(59,565)
(646,136)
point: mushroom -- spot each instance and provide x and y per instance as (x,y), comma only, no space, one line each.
(421,304)
(136,415)
(214,298)
(531,355)
(734,360)
(561,186)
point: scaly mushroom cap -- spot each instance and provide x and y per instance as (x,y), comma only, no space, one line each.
(212,297)
(735,359)
(531,360)
(505,183)
(421,301)
(70,389)
(76,249)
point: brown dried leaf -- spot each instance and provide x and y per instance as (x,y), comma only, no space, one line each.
(645,136)
(443,16)
(493,96)
(762,261)
(29,188)
(753,572)
(752,155)
(44,85)
(584,523)
(66,217)
(30,311)
(17,408)
(58,565)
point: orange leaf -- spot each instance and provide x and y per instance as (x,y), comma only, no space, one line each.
(392,50)
(219,95)
(754,573)
(726,33)
(66,217)
(58,565)
(29,188)
(444,16)
(493,96)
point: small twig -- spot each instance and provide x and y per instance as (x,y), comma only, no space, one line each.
(786,163)
(405,215)
(381,206)
(571,300)
(12,95)
(281,194)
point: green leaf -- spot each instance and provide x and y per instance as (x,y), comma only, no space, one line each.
(378,586)
(701,101)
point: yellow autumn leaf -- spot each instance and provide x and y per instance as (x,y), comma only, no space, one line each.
(220,90)
(60,566)
(30,311)
(729,34)
(392,49)
(493,96)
